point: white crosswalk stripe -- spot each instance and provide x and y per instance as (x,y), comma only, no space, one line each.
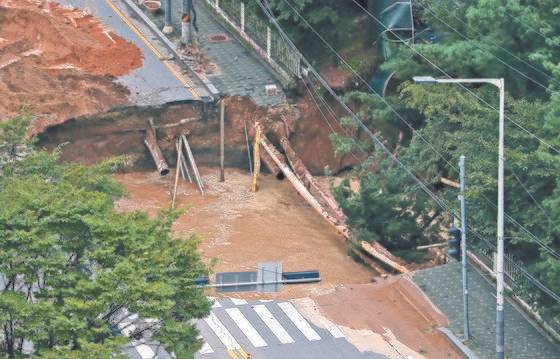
(220,330)
(299,321)
(216,303)
(206,349)
(273,324)
(238,301)
(246,327)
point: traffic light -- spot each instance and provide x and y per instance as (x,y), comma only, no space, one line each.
(454,249)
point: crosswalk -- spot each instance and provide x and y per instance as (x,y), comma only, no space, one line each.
(259,325)
(236,327)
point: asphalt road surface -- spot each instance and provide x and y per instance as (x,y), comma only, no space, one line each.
(159,80)
(269,329)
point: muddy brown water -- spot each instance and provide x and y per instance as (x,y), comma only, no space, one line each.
(240,228)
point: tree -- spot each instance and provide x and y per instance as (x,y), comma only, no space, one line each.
(69,262)
(385,210)
(450,122)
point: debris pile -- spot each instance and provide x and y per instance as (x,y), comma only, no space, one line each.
(61,62)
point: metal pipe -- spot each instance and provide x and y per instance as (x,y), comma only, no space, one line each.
(245,284)
(155,151)
(464,259)
(168,25)
(248,149)
(222,115)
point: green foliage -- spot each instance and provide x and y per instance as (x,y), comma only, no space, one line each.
(70,261)
(384,210)
(450,122)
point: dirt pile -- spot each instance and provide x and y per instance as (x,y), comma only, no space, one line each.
(60,62)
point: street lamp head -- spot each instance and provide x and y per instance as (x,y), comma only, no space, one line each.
(424,80)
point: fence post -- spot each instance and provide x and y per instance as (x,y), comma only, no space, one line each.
(268,43)
(242,16)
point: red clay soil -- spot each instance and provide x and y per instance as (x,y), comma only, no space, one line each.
(393,310)
(311,139)
(60,62)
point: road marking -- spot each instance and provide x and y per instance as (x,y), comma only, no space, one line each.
(238,301)
(175,73)
(335,331)
(299,321)
(273,324)
(246,327)
(220,330)
(233,354)
(206,349)
(216,304)
(145,351)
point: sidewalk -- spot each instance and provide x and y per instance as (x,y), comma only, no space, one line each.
(240,72)
(444,288)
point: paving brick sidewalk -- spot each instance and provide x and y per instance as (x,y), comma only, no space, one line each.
(240,71)
(444,287)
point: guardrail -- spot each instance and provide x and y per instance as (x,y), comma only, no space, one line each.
(248,22)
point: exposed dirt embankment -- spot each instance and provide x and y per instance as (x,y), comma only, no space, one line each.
(121,132)
(59,62)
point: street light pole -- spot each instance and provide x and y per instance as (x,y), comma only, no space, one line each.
(500,260)
(499,83)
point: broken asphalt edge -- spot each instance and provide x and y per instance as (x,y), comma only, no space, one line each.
(215,93)
(467,353)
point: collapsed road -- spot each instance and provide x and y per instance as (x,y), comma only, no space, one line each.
(237,227)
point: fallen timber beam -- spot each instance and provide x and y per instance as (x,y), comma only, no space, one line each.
(270,162)
(379,252)
(305,176)
(151,142)
(300,188)
(375,250)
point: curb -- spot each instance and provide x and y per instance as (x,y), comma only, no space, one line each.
(171,47)
(469,354)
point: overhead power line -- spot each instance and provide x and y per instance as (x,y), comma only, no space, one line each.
(427,7)
(439,201)
(510,218)
(543,142)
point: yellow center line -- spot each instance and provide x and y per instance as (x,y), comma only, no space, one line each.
(175,73)
(243,353)
(233,354)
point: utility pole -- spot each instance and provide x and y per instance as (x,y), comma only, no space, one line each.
(186,22)
(222,110)
(168,26)
(464,260)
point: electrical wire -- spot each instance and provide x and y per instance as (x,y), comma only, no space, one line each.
(465,37)
(543,142)
(440,202)
(513,221)
(530,28)
(393,110)
(328,122)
